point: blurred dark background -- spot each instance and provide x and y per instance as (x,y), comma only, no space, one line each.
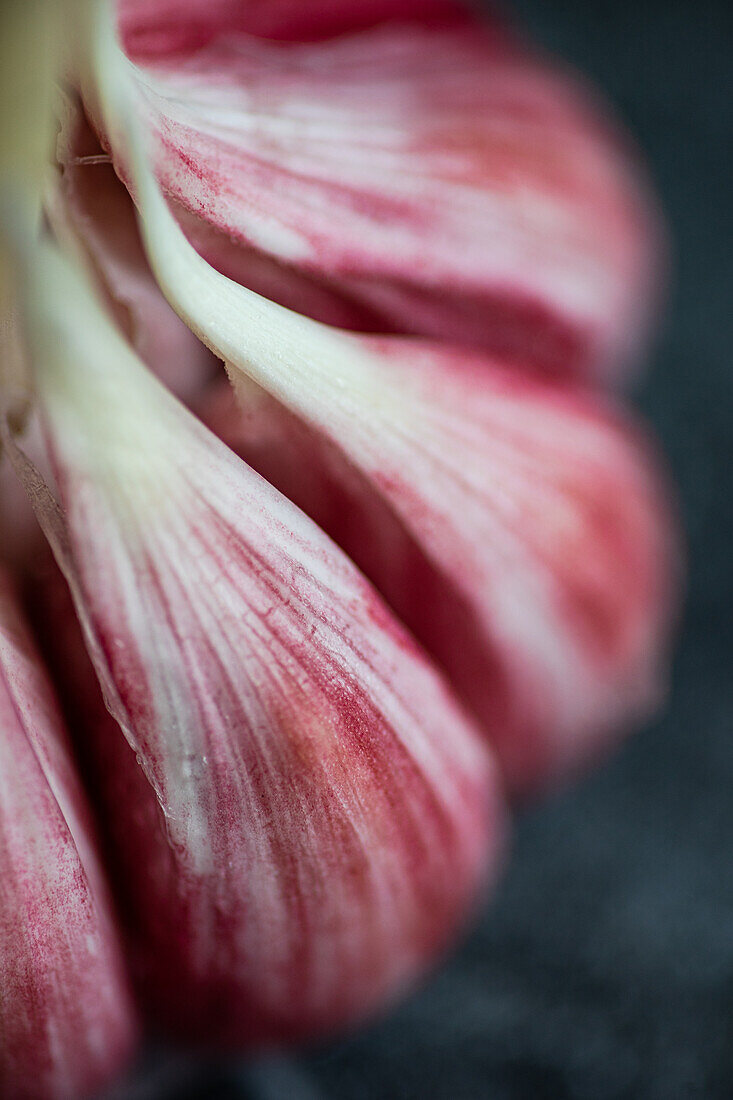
(603,969)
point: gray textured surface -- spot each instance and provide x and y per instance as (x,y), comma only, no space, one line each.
(604,967)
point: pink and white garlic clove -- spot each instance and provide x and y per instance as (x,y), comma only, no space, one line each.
(67,1021)
(315,816)
(417,165)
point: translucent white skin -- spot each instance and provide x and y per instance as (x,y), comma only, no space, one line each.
(326,814)
(541,512)
(66,1018)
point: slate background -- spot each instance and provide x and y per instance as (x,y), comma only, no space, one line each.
(603,970)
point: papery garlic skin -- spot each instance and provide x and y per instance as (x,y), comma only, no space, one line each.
(67,1025)
(431,174)
(326,815)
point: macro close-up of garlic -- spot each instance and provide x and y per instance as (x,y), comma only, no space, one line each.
(330,539)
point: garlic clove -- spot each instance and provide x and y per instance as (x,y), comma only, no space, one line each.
(521,531)
(66,1017)
(481,196)
(317,815)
